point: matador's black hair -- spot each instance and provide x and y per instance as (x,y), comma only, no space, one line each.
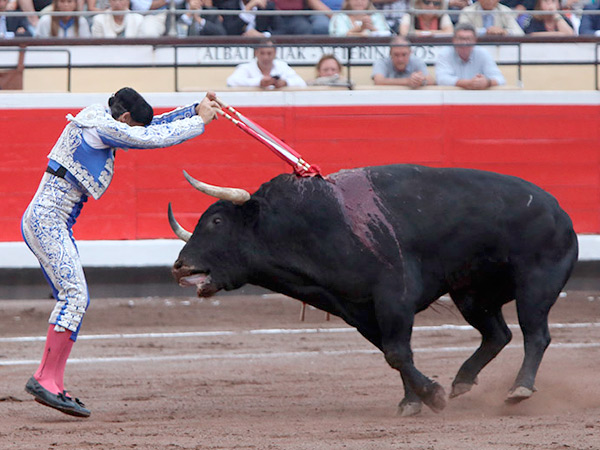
(129,100)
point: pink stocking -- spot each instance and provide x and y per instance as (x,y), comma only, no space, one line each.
(51,371)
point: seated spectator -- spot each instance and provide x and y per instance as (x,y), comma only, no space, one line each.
(491,18)
(11,26)
(329,72)
(202,25)
(571,9)
(401,68)
(320,22)
(154,25)
(590,24)
(466,65)
(32,6)
(425,24)
(265,71)
(393,11)
(107,25)
(548,24)
(298,24)
(246,24)
(374,24)
(97,5)
(457,5)
(519,5)
(63,26)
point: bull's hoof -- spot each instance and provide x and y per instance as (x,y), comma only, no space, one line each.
(518,394)
(460,389)
(436,398)
(407,408)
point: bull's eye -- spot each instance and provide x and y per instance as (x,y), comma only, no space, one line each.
(217,220)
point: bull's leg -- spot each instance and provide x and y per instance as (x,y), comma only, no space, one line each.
(395,317)
(398,355)
(363,317)
(494,337)
(533,319)
(411,403)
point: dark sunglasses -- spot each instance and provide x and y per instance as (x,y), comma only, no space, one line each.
(431,2)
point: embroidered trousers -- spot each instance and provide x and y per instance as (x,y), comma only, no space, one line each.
(47,231)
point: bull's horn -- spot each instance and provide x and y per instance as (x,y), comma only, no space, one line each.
(179,231)
(234,195)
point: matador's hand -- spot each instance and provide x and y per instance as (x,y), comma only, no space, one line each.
(207,108)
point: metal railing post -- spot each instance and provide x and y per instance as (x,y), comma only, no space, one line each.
(596,67)
(172,20)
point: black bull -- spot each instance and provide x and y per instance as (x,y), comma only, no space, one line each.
(376,245)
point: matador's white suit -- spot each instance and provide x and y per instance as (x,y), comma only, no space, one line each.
(81,165)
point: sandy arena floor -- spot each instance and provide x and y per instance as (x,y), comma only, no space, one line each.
(239,372)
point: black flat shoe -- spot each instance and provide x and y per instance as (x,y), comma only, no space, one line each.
(67,405)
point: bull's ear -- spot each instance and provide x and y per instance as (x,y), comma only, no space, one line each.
(251,211)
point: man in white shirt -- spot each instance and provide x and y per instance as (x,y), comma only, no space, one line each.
(265,71)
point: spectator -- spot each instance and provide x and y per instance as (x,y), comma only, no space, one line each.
(265,71)
(328,66)
(33,6)
(63,26)
(425,24)
(320,22)
(11,26)
(571,9)
(465,65)
(491,18)
(519,5)
(548,24)
(246,24)
(202,25)
(107,25)
(373,24)
(590,24)
(97,5)
(154,25)
(329,72)
(401,68)
(298,24)
(457,5)
(393,11)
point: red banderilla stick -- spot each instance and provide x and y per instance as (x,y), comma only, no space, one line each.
(280,148)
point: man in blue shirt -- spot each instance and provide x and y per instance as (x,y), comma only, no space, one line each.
(401,68)
(465,65)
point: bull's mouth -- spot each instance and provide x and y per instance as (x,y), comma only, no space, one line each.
(203,282)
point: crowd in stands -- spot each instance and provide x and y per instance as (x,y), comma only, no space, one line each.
(150,18)
(463,65)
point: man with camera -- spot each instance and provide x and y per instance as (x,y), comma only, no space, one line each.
(265,71)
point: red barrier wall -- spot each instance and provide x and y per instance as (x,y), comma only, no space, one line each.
(555,147)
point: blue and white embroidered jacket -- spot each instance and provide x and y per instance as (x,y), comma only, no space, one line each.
(86,147)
